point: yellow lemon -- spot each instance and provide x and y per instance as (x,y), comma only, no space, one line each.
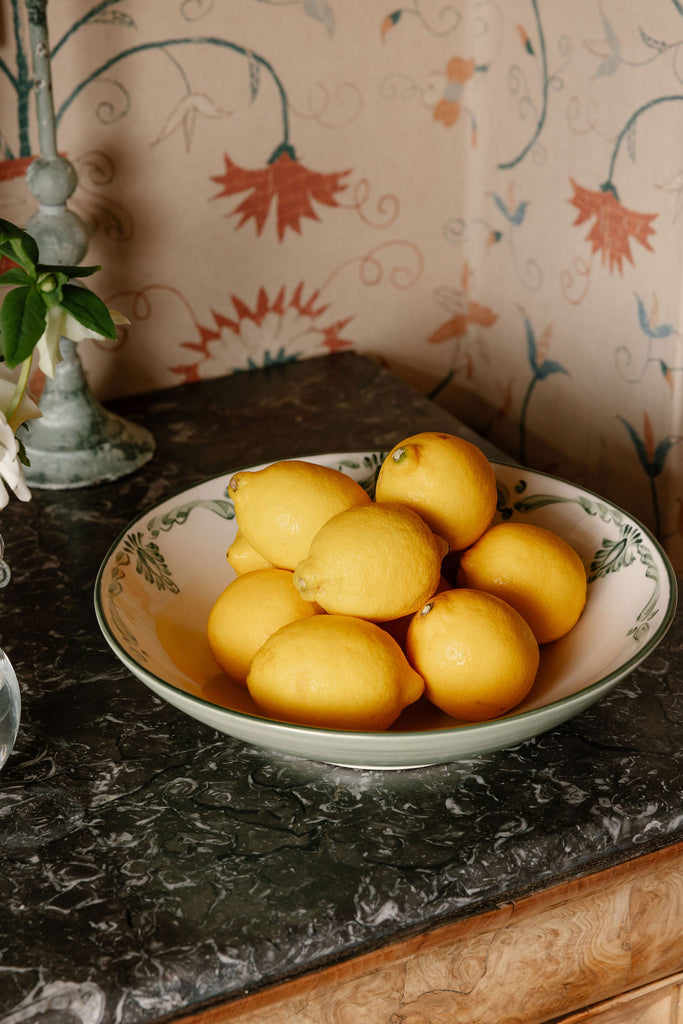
(534,570)
(398,628)
(281,507)
(444,478)
(476,654)
(251,608)
(243,557)
(335,672)
(377,562)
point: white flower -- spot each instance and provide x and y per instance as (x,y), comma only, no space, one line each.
(58,324)
(11,471)
(26,409)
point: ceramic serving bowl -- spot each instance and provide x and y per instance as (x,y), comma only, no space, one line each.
(160,578)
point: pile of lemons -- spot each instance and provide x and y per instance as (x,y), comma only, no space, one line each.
(339,615)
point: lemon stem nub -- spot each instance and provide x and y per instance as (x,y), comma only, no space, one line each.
(427,609)
(399,454)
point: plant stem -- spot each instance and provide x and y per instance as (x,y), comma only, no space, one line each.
(627,127)
(655,505)
(522,420)
(188,41)
(506,166)
(20,388)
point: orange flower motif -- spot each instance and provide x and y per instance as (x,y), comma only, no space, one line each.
(6,264)
(614,225)
(285,182)
(456,327)
(458,71)
(275,330)
(15,168)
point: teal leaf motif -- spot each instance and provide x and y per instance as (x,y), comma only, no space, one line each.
(118,18)
(536,501)
(631,143)
(280,358)
(660,331)
(114,591)
(516,216)
(254,77)
(637,444)
(373,463)
(149,562)
(654,44)
(650,609)
(611,63)
(549,366)
(320,11)
(503,501)
(661,452)
(179,514)
(615,554)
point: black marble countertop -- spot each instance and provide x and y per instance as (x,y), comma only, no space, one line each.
(149,866)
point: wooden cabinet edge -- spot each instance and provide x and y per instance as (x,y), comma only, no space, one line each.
(662,1001)
(605,932)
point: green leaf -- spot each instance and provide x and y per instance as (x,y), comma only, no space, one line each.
(22,321)
(18,245)
(15,275)
(68,272)
(88,309)
(21,453)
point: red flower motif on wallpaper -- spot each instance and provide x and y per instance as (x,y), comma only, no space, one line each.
(458,71)
(276,330)
(614,225)
(6,264)
(467,313)
(457,326)
(15,167)
(284,182)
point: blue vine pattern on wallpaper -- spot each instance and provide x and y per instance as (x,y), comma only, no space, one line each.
(441,58)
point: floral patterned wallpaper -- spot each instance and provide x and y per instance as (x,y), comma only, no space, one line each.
(485,196)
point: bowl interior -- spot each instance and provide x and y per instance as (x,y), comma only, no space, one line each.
(158,582)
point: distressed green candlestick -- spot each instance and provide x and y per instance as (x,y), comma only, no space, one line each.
(76,442)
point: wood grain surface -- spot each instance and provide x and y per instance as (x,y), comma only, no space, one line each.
(561,951)
(658,1003)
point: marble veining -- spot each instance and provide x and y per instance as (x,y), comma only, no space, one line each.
(149,865)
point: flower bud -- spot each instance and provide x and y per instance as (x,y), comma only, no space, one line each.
(47,282)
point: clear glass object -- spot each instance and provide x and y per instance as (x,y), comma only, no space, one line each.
(10,696)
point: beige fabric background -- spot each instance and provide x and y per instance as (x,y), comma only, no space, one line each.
(431,155)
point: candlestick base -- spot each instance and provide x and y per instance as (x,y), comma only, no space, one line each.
(77,442)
